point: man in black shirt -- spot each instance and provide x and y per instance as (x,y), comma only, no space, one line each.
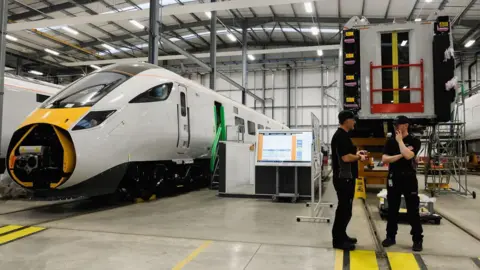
(345,171)
(400,152)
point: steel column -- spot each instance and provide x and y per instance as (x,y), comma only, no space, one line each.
(213,49)
(18,69)
(244,61)
(322,124)
(153,32)
(3,45)
(289,92)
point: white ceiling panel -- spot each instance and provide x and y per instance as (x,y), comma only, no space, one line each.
(262,11)
(350,7)
(399,8)
(327,10)
(20,48)
(376,9)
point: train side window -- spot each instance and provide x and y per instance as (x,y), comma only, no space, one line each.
(41,98)
(183,104)
(157,93)
(260,126)
(240,122)
(251,128)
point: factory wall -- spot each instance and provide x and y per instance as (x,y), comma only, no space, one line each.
(305,94)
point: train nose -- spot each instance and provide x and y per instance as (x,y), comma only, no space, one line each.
(41,156)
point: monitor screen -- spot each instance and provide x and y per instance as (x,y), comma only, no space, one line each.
(284,148)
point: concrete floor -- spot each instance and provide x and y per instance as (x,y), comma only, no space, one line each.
(201,231)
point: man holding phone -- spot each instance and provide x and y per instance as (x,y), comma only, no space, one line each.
(345,171)
(400,152)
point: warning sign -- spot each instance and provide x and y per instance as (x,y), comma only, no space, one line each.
(360,188)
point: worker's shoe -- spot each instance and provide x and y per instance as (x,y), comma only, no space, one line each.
(417,246)
(352,240)
(388,242)
(344,246)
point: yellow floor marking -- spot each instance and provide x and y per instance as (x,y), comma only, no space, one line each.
(399,260)
(363,259)
(192,255)
(9,228)
(338,259)
(19,234)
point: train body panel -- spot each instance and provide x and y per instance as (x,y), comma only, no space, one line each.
(119,118)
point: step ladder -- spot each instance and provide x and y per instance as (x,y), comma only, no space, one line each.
(215,174)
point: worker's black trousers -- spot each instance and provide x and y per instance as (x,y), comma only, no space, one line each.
(406,184)
(345,189)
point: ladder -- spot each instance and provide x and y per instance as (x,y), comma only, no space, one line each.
(447,154)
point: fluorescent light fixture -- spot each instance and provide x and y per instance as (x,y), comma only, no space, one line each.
(404,43)
(36,72)
(428,1)
(52,52)
(469,43)
(137,24)
(231,37)
(319,52)
(95,67)
(209,14)
(418,19)
(328,30)
(308,7)
(12,38)
(70,30)
(251,57)
(108,47)
(314,30)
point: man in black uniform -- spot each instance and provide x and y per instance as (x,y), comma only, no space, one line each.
(345,171)
(400,152)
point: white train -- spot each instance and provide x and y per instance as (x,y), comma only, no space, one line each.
(21,96)
(125,128)
(472,119)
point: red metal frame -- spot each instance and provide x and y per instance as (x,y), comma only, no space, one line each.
(400,107)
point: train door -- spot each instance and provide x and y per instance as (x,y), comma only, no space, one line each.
(183,113)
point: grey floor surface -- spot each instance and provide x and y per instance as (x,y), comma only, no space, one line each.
(201,231)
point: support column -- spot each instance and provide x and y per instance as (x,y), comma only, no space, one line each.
(244,61)
(153,32)
(289,92)
(213,49)
(322,124)
(3,45)
(18,70)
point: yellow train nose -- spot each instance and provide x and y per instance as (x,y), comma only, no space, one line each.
(41,156)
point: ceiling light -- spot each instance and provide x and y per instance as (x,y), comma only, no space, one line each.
(404,43)
(209,14)
(12,38)
(231,37)
(314,30)
(52,52)
(251,57)
(328,30)
(95,67)
(36,72)
(319,52)
(428,1)
(469,43)
(70,30)
(108,47)
(137,24)
(308,7)
(418,19)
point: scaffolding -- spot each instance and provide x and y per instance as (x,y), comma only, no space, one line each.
(446,152)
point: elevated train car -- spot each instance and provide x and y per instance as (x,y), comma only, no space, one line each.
(21,96)
(125,128)
(472,130)
(392,69)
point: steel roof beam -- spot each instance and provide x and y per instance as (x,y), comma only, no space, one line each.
(208,67)
(464,11)
(49,9)
(140,14)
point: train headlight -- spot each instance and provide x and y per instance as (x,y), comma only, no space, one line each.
(93,119)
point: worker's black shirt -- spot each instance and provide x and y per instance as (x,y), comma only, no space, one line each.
(343,145)
(402,165)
